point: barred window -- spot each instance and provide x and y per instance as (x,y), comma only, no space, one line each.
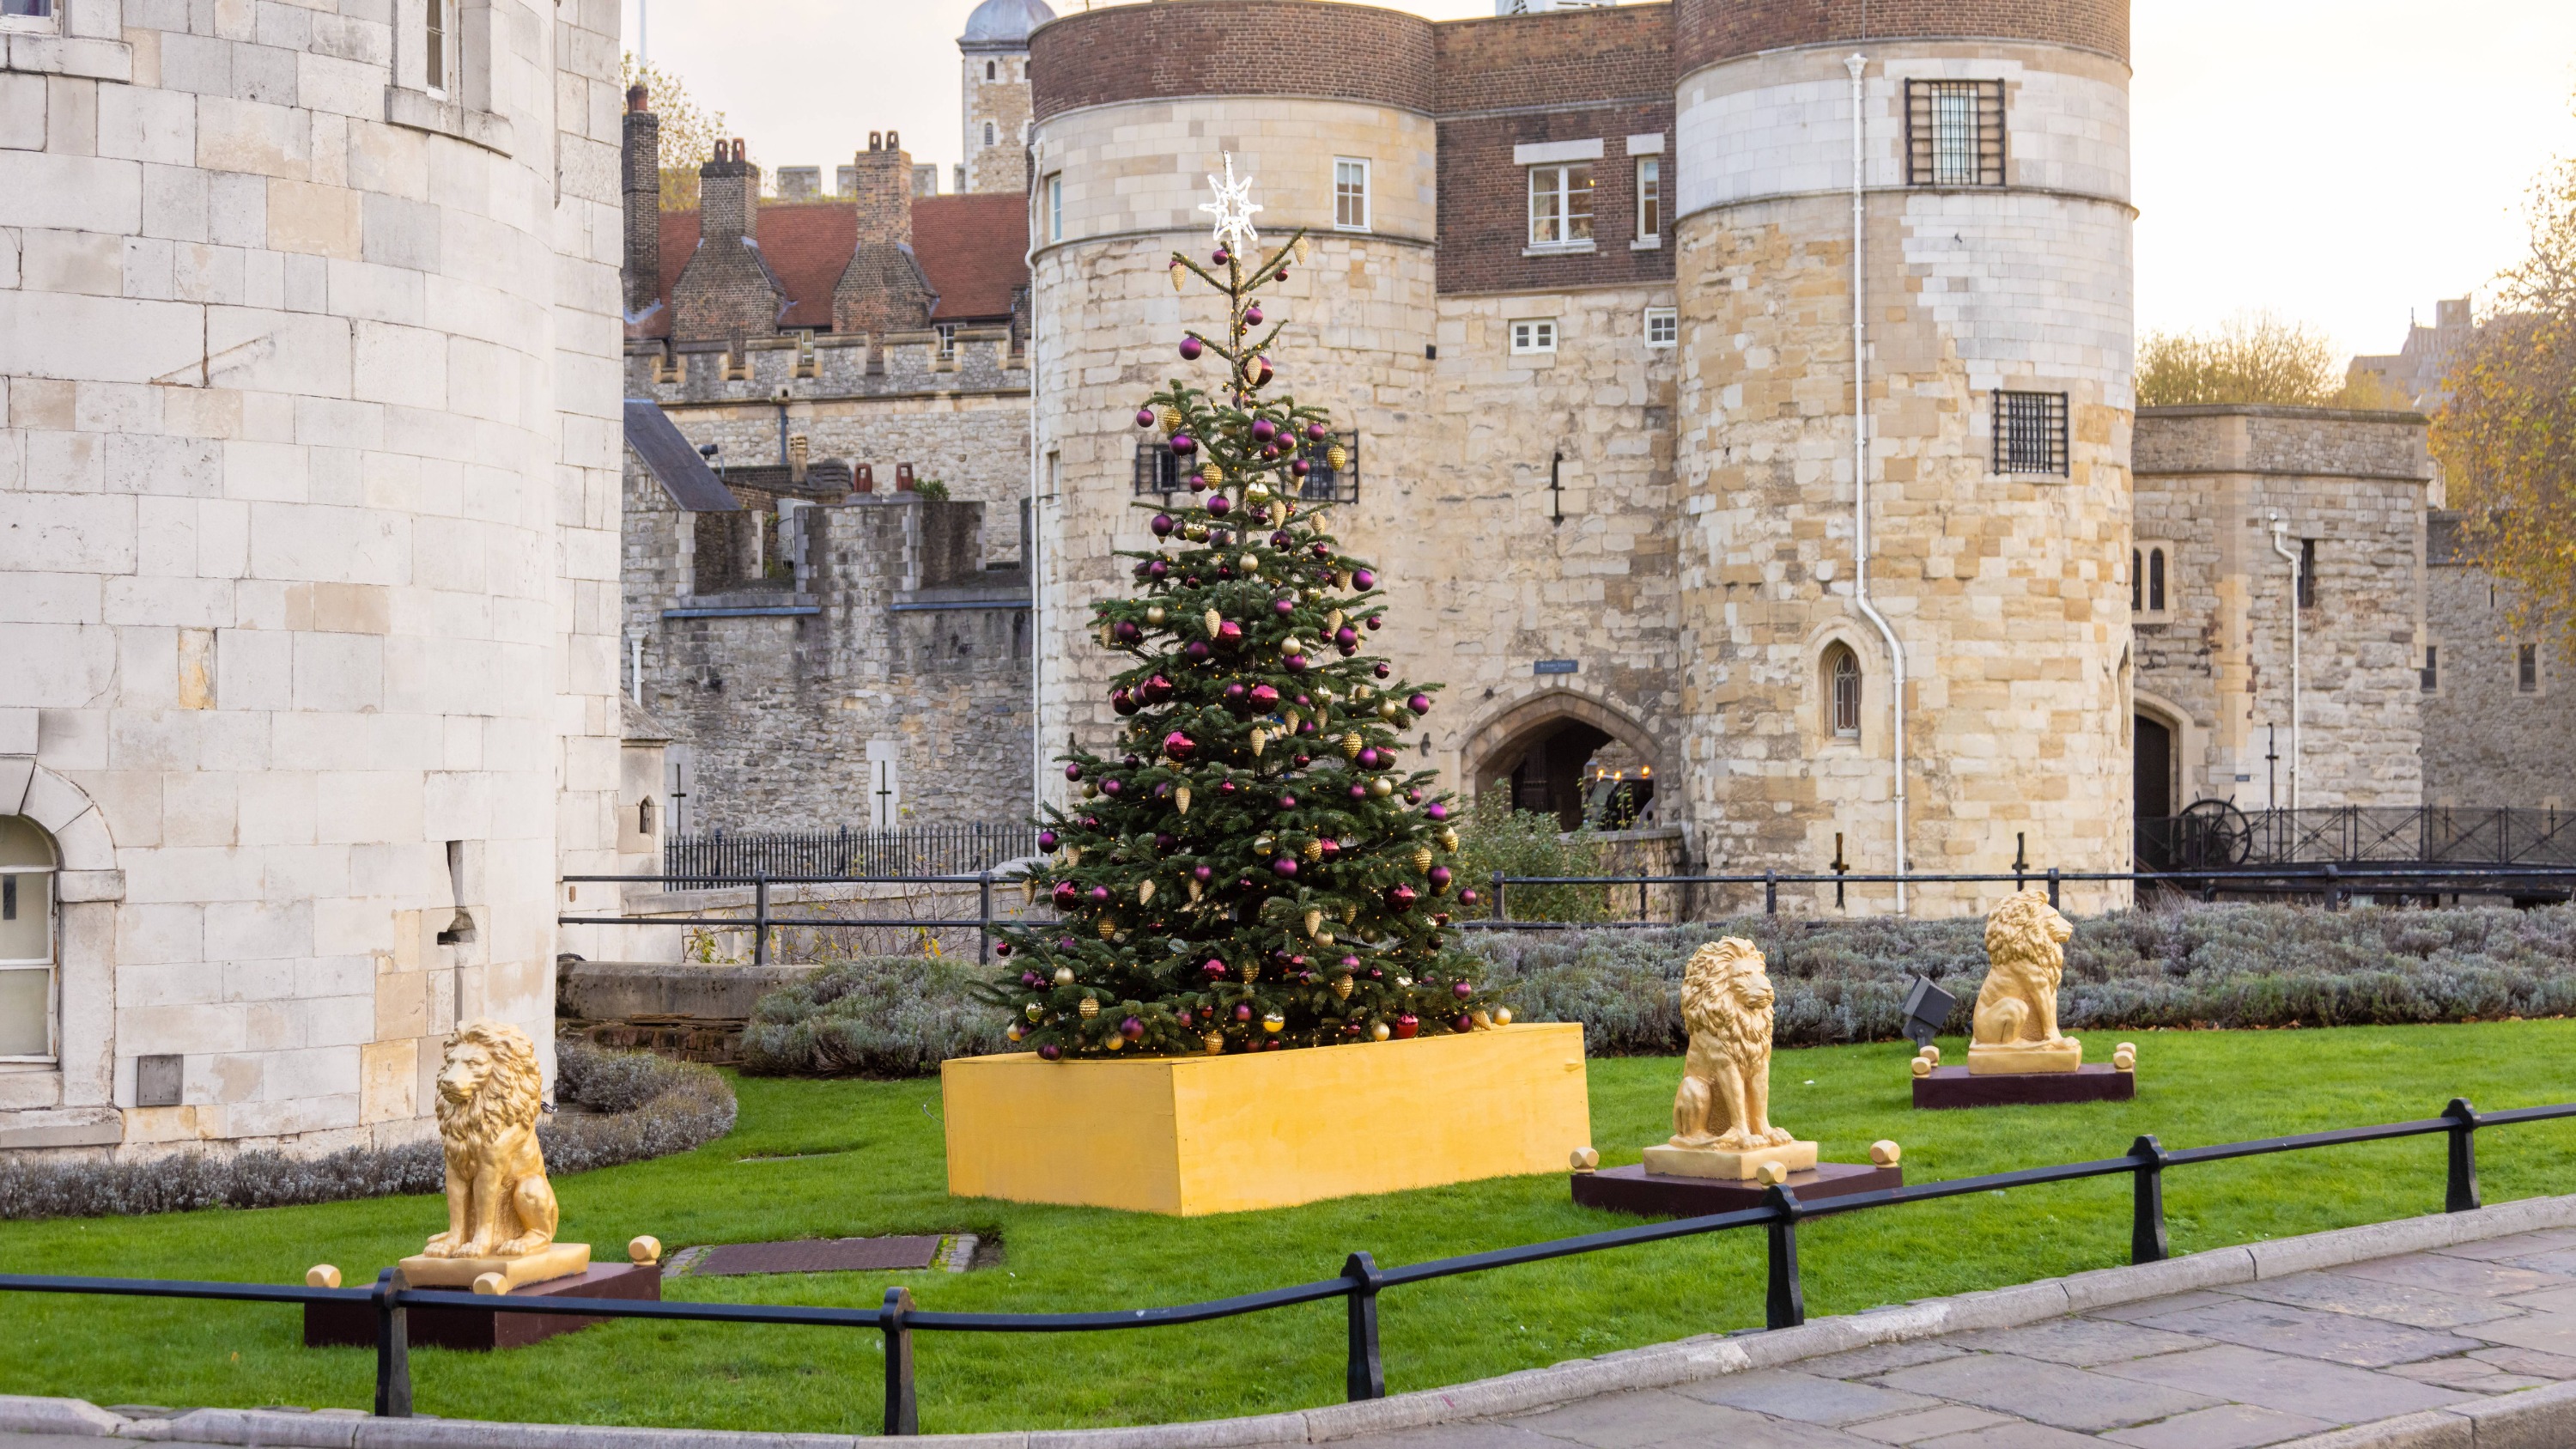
(1954,133)
(1157,469)
(2030,432)
(1326,483)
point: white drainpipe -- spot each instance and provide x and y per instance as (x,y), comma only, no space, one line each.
(2281,546)
(1857,64)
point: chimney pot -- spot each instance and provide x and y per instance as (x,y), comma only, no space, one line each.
(636,97)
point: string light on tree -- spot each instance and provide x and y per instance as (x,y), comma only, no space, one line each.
(1251,868)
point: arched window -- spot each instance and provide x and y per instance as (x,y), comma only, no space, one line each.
(2137,581)
(28,989)
(988,75)
(1842,690)
(2156,580)
(990,135)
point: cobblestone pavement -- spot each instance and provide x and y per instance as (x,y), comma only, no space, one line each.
(2228,1368)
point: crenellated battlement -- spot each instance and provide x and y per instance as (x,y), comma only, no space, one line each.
(828,367)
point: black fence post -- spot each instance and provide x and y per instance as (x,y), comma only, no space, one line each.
(760,919)
(902,1414)
(1498,896)
(984,910)
(393,1348)
(1770,892)
(1364,1376)
(1642,911)
(2147,1241)
(2052,887)
(2461,1193)
(1785,1304)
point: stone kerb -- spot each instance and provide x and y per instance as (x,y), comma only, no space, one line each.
(2538,1417)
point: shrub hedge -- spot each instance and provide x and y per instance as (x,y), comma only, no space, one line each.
(1837,981)
(645,1106)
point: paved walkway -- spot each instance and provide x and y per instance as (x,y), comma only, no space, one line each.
(2230,1368)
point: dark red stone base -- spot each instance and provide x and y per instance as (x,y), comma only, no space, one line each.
(353,1325)
(1662,1195)
(2092,1082)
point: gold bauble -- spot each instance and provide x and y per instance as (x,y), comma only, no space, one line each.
(1337,457)
(1350,914)
(1108,927)
(1484,1020)
(1422,858)
(1248,564)
(1073,855)
(1502,1016)
(1378,1032)
(1273,1022)
(1292,645)
(1262,844)
(1115,1041)
(1256,490)
(1213,620)
(1342,987)
(1251,972)
(1449,841)
(1341,578)
(1390,710)
(1154,616)
(1194,890)
(1144,892)
(1332,621)
(1171,419)
(1178,272)
(1314,922)
(1215,475)
(1381,787)
(1036,1012)
(1064,976)
(1215,1042)
(1090,791)
(1014,1032)
(1260,737)
(1314,849)
(1195,533)
(1088,1009)
(1181,798)
(1351,745)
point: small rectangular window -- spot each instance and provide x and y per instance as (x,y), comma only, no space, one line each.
(1055,207)
(434,43)
(1650,198)
(1663,327)
(1954,133)
(2526,669)
(26,9)
(947,339)
(1534,335)
(1350,194)
(2030,432)
(2431,678)
(1324,481)
(2155,580)
(2307,573)
(1560,205)
(1158,470)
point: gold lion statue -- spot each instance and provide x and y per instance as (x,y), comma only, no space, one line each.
(1725,1097)
(2015,1027)
(490,1090)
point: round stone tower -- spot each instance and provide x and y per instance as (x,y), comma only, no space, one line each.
(1136,106)
(1995,390)
(995,96)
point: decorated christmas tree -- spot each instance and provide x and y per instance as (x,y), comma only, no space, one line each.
(1255,868)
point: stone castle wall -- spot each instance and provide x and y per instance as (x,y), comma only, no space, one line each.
(308,546)
(1004,102)
(2215,666)
(2489,742)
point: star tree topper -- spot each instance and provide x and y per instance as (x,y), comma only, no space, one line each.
(1233,209)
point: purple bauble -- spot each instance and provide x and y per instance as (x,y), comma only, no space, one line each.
(1363,579)
(1184,445)
(1401,897)
(1381,670)
(1126,632)
(1346,636)
(1214,967)
(1073,772)
(1243,1011)
(1263,430)
(1419,704)
(1264,698)
(1440,877)
(1046,840)
(1111,788)
(1235,695)
(1229,633)
(1413,797)
(1156,689)
(1287,802)
(1301,468)
(1261,373)
(1066,898)
(1196,651)
(1163,525)
(1122,701)
(1294,664)
(1050,1052)
(1144,417)
(1131,1028)
(1375,623)
(1283,607)
(1099,895)
(1179,746)
(1463,1023)
(1157,569)
(1220,256)
(1285,865)
(1359,792)
(1163,842)
(1467,897)
(1065,943)
(1220,505)
(1314,432)
(1279,539)
(1030,978)
(1198,482)
(1190,349)
(1369,758)
(1252,316)
(1202,874)
(1437,811)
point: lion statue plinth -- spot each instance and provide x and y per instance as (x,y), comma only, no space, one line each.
(501,1211)
(2015,1027)
(1722,1115)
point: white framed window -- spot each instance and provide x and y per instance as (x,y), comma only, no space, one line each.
(438,36)
(22,15)
(1560,206)
(30,985)
(1055,207)
(1663,327)
(1650,201)
(1350,194)
(947,339)
(1533,334)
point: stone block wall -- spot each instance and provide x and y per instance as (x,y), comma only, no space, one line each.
(2215,666)
(2488,741)
(307,544)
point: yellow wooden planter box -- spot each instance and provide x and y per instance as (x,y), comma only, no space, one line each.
(1193,1135)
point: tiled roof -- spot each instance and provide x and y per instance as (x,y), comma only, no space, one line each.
(975,249)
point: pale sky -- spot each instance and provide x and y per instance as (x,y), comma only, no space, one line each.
(2336,161)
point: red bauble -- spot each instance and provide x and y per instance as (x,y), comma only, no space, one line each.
(1408,1026)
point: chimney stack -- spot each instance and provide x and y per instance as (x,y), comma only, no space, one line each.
(881,187)
(642,272)
(728,195)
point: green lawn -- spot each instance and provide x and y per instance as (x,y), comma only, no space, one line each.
(881,1172)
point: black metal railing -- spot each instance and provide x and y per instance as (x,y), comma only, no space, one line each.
(2332,883)
(914,850)
(1361,1281)
(764,919)
(2215,834)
